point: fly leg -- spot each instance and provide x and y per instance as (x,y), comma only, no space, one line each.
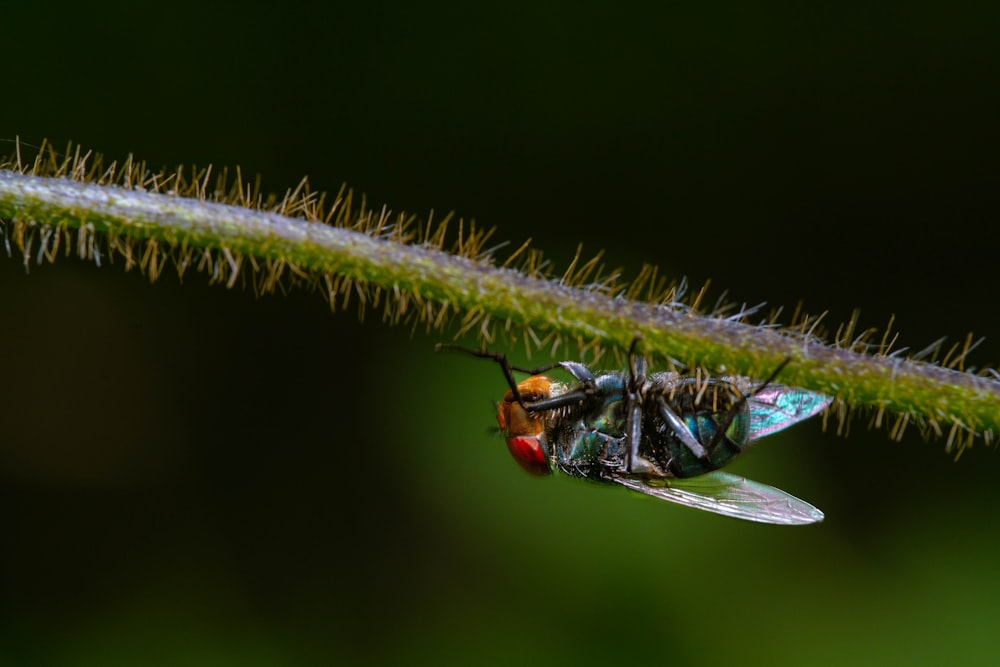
(505,366)
(580,395)
(636,463)
(682,431)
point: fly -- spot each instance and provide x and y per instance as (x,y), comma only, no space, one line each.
(662,434)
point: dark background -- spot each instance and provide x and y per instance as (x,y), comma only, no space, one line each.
(190,475)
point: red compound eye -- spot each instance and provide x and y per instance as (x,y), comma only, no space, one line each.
(529,454)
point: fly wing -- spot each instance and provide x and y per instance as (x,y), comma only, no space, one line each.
(730,495)
(776,407)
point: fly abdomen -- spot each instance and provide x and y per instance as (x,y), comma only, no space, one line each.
(715,413)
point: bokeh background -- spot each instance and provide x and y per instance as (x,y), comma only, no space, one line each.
(190,475)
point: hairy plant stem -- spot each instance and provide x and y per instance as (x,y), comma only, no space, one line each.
(946,400)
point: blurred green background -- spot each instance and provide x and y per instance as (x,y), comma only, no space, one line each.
(190,475)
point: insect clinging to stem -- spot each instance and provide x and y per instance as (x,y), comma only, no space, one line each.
(663,434)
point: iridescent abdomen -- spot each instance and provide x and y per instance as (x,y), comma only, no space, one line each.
(706,407)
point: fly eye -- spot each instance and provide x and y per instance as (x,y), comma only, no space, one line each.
(531,397)
(529,454)
(527,397)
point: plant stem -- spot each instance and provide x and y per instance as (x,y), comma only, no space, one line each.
(945,400)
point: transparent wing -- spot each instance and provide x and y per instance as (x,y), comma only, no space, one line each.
(776,407)
(729,495)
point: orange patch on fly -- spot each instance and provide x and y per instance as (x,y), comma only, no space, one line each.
(523,430)
(515,420)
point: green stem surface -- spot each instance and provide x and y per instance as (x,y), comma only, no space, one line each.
(948,401)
